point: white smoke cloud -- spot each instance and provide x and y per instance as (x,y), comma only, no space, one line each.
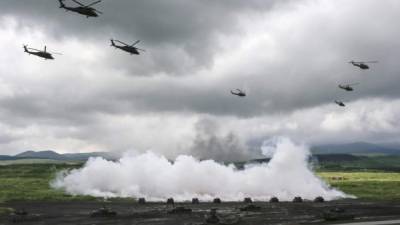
(153,176)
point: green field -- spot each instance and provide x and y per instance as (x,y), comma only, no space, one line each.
(33,161)
(366,185)
(31,182)
(364,163)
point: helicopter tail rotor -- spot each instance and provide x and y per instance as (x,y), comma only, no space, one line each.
(61,3)
(112,42)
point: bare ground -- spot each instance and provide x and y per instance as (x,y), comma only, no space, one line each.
(78,213)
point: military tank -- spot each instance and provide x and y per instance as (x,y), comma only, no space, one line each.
(319,199)
(217,200)
(195,201)
(297,199)
(274,200)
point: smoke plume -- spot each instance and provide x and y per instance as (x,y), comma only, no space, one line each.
(153,176)
(209,143)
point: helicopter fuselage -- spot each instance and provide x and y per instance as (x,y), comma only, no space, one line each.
(44,55)
(346,87)
(361,66)
(87,11)
(339,103)
(129,49)
(126,48)
(240,94)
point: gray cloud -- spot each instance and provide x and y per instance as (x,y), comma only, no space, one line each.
(180,35)
(289,56)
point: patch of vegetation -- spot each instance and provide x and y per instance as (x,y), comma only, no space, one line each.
(366,185)
(363,163)
(35,161)
(31,182)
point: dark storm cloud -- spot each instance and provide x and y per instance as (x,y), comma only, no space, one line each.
(172,31)
(188,41)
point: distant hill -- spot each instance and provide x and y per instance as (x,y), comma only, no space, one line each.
(6,157)
(52,155)
(355,148)
(40,155)
(318,157)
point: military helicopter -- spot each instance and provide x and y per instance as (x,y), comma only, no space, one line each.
(43,54)
(127,48)
(340,103)
(239,93)
(362,65)
(347,87)
(86,10)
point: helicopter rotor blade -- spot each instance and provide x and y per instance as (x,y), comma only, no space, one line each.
(141,49)
(135,43)
(100,12)
(121,42)
(364,62)
(34,49)
(353,84)
(94,3)
(78,3)
(55,53)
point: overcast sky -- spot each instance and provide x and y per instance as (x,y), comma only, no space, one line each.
(289,56)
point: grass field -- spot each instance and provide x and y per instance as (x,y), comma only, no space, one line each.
(370,163)
(366,185)
(31,182)
(32,161)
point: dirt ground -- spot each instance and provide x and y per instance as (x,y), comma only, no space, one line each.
(78,213)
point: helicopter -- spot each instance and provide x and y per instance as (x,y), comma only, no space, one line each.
(127,48)
(362,65)
(86,10)
(347,87)
(43,54)
(239,93)
(340,103)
